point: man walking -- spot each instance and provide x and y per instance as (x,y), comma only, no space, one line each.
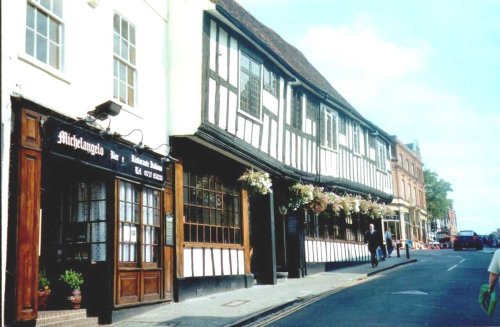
(373,238)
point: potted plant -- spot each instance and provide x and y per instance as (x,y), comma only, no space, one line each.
(43,290)
(74,280)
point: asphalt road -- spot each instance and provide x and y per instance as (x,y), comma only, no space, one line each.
(441,289)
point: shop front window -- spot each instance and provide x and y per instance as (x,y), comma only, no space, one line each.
(139,224)
(85,222)
(211,210)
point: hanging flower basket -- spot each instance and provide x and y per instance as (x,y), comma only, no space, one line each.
(319,201)
(256,181)
(300,195)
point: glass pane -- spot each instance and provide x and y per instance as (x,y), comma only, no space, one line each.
(46,4)
(132,34)
(122,216)
(41,48)
(98,210)
(130,97)
(82,192)
(54,55)
(30,16)
(135,217)
(82,212)
(124,50)
(132,55)
(30,42)
(255,69)
(54,31)
(120,237)
(116,23)
(98,232)
(156,220)
(116,44)
(126,252)
(124,31)
(41,23)
(57,7)
(244,62)
(120,252)
(212,199)
(128,214)
(122,72)
(123,91)
(150,216)
(99,252)
(133,256)
(206,199)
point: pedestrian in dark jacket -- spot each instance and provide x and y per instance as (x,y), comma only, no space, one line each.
(374,240)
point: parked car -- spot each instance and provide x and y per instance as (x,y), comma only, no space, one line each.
(467,239)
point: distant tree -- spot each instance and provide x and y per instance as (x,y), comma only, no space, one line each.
(436,195)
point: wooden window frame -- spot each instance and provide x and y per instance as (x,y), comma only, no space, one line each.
(139,262)
(206,222)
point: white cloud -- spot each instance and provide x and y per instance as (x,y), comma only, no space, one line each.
(356,60)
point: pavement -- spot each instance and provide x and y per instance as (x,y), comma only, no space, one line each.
(244,307)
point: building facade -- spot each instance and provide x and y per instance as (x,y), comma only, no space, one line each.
(256,102)
(124,142)
(409,204)
(83,106)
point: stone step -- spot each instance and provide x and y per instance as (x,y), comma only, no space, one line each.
(65,318)
(79,322)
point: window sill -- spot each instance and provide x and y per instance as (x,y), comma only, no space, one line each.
(46,68)
(336,150)
(251,117)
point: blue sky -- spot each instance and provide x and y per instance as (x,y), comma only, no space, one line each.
(424,70)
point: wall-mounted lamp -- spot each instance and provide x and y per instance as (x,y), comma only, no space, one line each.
(106,109)
(139,147)
(282,209)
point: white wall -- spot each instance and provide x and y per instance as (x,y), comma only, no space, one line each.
(185,57)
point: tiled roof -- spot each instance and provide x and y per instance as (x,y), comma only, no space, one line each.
(283,51)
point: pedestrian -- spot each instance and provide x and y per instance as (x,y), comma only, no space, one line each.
(494,270)
(388,242)
(373,238)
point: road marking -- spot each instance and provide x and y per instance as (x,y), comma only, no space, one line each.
(462,260)
(410,293)
(452,267)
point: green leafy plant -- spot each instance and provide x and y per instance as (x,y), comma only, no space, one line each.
(72,278)
(43,283)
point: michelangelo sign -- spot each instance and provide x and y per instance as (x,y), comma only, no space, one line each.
(74,142)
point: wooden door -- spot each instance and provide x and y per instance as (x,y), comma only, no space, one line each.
(28,216)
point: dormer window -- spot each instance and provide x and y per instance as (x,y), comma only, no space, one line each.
(250,87)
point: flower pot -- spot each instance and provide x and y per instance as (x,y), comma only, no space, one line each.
(43,298)
(75,299)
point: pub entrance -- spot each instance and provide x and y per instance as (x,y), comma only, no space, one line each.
(76,229)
